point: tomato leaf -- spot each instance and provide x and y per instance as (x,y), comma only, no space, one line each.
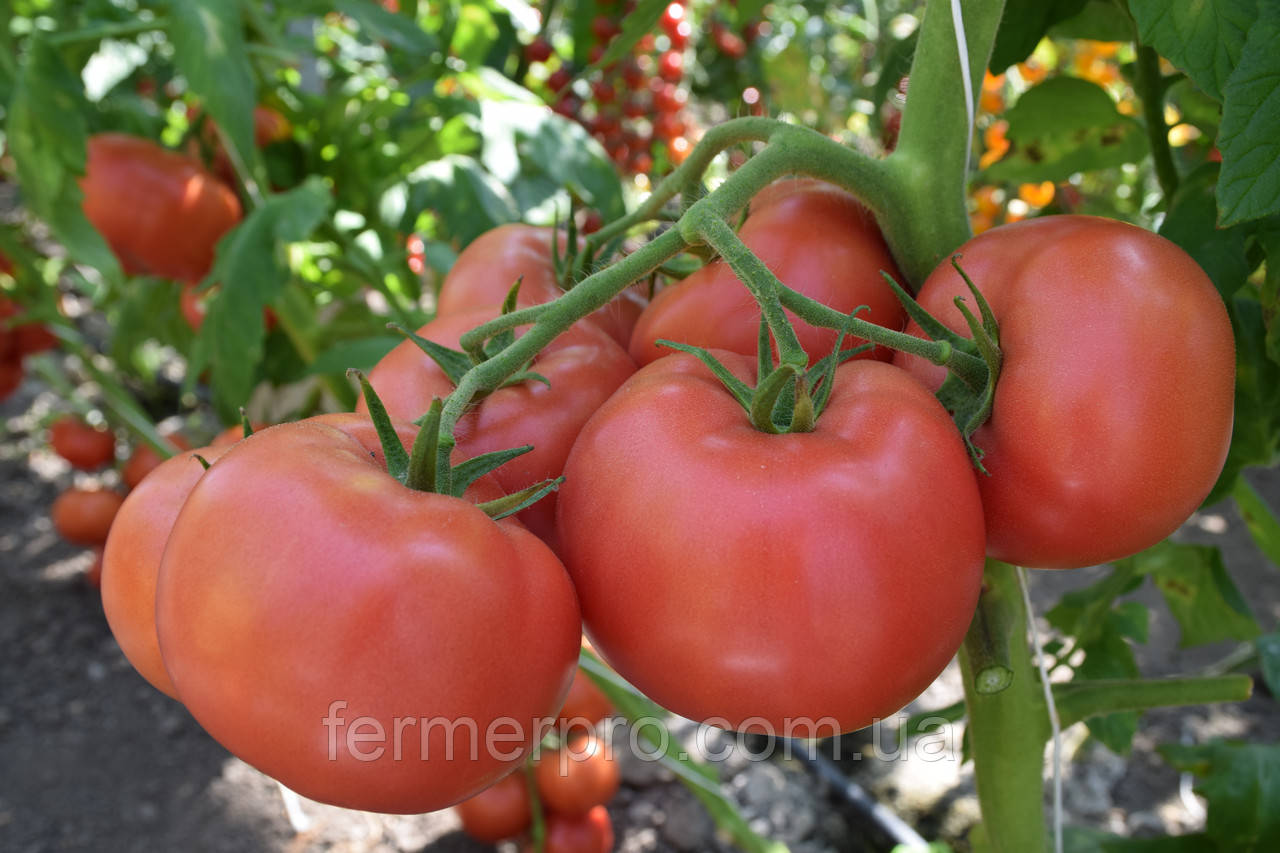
(1022,26)
(1261,519)
(1250,136)
(1109,655)
(209,51)
(466,199)
(1100,20)
(47,134)
(1063,126)
(635,25)
(1255,434)
(1269,656)
(1200,594)
(397,31)
(1192,224)
(1203,39)
(361,353)
(1242,785)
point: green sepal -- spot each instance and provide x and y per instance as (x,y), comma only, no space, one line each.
(392,449)
(454,363)
(821,380)
(500,508)
(506,337)
(246,426)
(204,463)
(932,326)
(424,467)
(765,399)
(741,391)
(476,467)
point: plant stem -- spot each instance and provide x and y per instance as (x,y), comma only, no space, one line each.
(1150,90)
(1080,700)
(1007,729)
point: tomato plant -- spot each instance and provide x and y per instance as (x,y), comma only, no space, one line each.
(83,446)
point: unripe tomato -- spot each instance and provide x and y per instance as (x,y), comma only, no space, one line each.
(84,516)
(161,213)
(85,447)
(579,777)
(367,645)
(499,812)
(1113,411)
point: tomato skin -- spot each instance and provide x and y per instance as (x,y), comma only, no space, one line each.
(584,366)
(577,778)
(346,597)
(85,447)
(84,516)
(145,459)
(677,517)
(161,213)
(818,240)
(585,705)
(589,833)
(131,559)
(499,812)
(487,268)
(1113,411)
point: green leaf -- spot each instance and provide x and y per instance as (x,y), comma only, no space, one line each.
(209,51)
(397,31)
(1192,223)
(1242,785)
(1195,843)
(1199,592)
(1109,655)
(1250,137)
(1063,126)
(360,353)
(1255,434)
(1100,20)
(1022,26)
(46,133)
(1203,39)
(1083,613)
(637,23)
(1261,519)
(466,199)
(251,269)
(1269,656)
(923,722)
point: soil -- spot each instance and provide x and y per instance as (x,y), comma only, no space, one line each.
(92,758)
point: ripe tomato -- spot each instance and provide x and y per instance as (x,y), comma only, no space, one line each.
(161,213)
(83,516)
(368,645)
(11,374)
(85,447)
(589,833)
(585,705)
(1113,411)
(490,265)
(499,812)
(145,459)
(712,560)
(583,365)
(579,777)
(131,560)
(817,239)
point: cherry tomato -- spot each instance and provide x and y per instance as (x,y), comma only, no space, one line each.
(1113,410)
(499,812)
(538,50)
(584,366)
(671,66)
(579,777)
(817,239)
(558,79)
(367,645)
(589,833)
(677,519)
(161,213)
(83,516)
(145,459)
(85,447)
(487,268)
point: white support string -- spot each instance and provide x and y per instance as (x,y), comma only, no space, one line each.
(962,45)
(1054,723)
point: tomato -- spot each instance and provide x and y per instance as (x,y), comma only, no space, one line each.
(85,447)
(93,575)
(19,338)
(11,375)
(817,239)
(83,516)
(232,434)
(367,645)
(579,777)
(1113,410)
(584,366)
(145,459)
(161,212)
(585,705)
(751,579)
(589,833)
(131,560)
(485,271)
(499,812)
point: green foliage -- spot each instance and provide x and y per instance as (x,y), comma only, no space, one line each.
(1250,138)
(1242,784)
(1025,22)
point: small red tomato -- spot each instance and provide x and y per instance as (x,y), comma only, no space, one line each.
(538,50)
(604,28)
(558,79)
(590,833)
(85,447)
(84,516)
(578,777)
(145,459)
(671,66)
(499,812)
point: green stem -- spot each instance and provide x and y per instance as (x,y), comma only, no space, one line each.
(1007,730)
(1078,701)
(473,341)
(1150,89)
(112,30)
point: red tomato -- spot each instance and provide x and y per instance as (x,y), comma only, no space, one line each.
(585,705)
(85,447)
(11,375)
(499,812)
(579,777)
(1113,411)
(368,645)
(485,271)
(671,66)
(145,459)
(817,239)
(538,50)
(712,560)
(589,833)
(584,366)
(161,212)
(131,560)
(83,516)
